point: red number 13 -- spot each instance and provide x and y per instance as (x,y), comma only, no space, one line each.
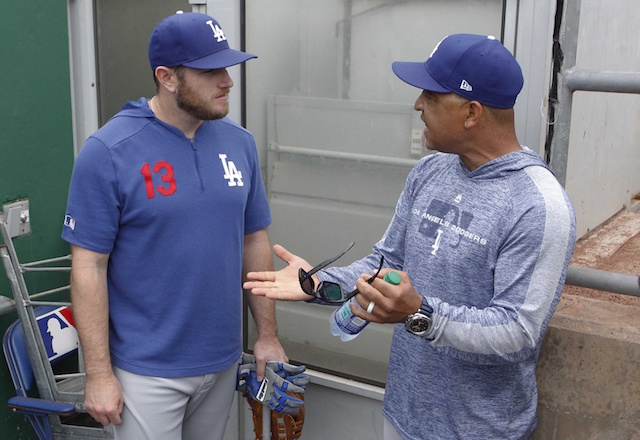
(167,177)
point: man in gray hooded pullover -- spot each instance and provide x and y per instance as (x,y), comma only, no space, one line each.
(481,237)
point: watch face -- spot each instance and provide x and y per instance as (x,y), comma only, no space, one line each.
(419,325)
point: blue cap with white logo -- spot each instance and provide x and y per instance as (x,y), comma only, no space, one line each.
(476,67)
(193,40)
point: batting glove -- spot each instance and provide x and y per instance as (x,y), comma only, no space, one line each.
(280,378)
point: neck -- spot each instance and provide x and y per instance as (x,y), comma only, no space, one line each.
(491,137)
(475,158)
(169,113)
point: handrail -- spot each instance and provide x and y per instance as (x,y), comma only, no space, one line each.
(603,280)
(613,82)
(341,155)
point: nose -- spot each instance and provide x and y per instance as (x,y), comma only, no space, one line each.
(226,79)
(418,104)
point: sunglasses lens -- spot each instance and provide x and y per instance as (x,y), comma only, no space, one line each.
(306,282)
(332,291)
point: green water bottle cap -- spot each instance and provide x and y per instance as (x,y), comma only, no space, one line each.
(392,277)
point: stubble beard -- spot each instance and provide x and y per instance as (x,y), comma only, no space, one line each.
(194,105)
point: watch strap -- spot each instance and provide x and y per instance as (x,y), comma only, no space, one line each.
(425,308)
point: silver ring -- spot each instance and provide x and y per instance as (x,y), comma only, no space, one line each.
(370,307)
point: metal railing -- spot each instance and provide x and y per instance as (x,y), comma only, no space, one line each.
(570,79)
(603,280)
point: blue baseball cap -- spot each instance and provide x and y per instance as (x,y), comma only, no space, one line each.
(476,67)
(193,40)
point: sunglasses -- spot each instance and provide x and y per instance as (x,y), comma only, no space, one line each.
(329,291)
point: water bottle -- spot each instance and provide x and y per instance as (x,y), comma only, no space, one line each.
(345,324)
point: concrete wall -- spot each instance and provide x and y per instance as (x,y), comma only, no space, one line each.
(588,375)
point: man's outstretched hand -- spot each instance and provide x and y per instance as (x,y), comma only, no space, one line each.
(283,284)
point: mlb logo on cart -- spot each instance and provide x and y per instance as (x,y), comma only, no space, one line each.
(58,332)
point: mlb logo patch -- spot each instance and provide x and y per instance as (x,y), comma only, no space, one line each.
(58,332)
(70,222)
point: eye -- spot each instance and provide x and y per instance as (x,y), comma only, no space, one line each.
(431,96)
(212,72)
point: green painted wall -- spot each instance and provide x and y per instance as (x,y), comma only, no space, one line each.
(36,147)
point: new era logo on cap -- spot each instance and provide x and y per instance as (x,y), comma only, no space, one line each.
(193,40)
(476,67)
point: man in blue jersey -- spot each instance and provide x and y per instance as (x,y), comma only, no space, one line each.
(482,236)
(166,213)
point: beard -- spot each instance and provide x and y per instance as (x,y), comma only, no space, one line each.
(193,104)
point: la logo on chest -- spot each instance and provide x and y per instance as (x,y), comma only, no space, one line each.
(231,173)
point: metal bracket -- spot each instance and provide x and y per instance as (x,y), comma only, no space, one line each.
(16,216)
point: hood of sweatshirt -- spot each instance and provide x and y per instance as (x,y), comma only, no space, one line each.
(505,165)
(136,109)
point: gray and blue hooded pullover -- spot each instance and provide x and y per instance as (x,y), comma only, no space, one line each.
(488,249)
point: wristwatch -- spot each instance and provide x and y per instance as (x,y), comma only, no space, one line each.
(420,323)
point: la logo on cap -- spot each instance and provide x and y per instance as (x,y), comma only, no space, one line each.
(217,31)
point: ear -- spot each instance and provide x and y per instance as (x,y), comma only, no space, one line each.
(474,114)
(166,78)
